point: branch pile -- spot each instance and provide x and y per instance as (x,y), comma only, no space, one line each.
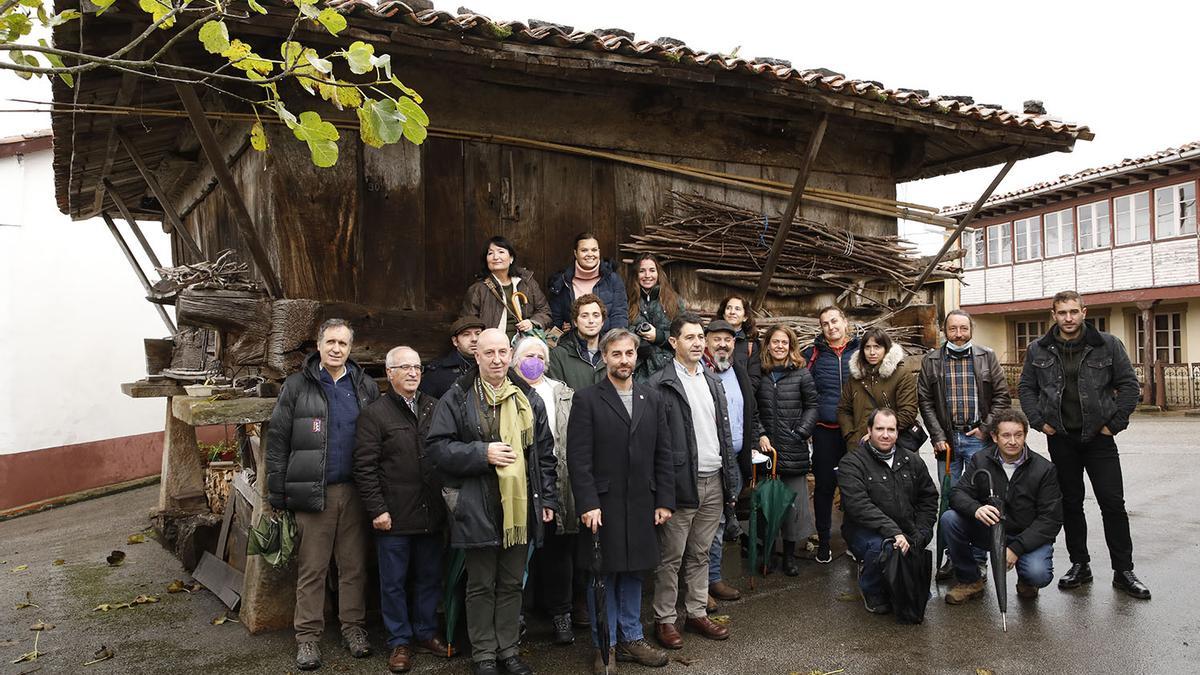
(731,244)
(224,273)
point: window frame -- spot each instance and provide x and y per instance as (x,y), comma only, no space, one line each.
(1064,231)
(1003,249)
(1134,213)
(1021,330)
(1032,233)
(975,254)
(1094,227)
(1179,231)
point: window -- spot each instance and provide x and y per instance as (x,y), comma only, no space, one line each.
(1093,226)
(1026,332)
(1168,337)
(1029,238)
(1175,210)
(972,243)
(1100,323)
(1060,233)
(999,244)
(1132,214)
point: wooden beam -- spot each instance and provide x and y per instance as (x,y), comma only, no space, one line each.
(962,225)
(169,213)
(241,215)
(133,224)
(124,97)
(112,227)
(789,213)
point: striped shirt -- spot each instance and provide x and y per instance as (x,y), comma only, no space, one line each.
(961,396)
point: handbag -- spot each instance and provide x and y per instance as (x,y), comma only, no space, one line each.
(909,438)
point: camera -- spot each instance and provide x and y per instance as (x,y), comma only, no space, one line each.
(644,327)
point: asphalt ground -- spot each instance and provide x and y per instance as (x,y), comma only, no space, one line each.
(813,622)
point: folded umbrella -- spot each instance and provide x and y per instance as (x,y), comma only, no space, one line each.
(998,551)
(600,596)
(943,505)
(453,596)
(771,502)
(274,538)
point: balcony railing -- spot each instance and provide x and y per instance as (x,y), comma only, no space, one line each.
(1180,382)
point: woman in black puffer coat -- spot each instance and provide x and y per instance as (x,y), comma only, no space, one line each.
(787,413)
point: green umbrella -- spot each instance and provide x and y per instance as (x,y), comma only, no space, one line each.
(772,499)
(943,504)
(452,598)
(274,538)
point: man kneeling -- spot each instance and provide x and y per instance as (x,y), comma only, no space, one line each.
(1028,485)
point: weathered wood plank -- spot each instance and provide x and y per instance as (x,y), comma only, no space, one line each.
(152,389)
(393,228)
(566,210)
(446,267)
(521,216)
(486,193)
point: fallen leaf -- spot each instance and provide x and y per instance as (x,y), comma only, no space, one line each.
(115,558)
(19,568)
(722,619)
(28,602)
(144,599)
(42,625)
(137,539)
(224,618)
(984,671)
(107,607)
(59,561)
(33,655)
(178,586)
(848,597)
(103,654)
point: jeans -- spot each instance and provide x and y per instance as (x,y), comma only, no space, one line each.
(964,448)
(718,544)
(963,535)
(623,594)
(1103,465)
(866,546)
(828,446)
(408,617)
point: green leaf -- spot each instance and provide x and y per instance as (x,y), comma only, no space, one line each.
(383,61)
(242,58)
(366,129)
(30,3)
(360,56)
(386,119)
(63,17)
(18,57)
(321,137)
(406,89)
(157,9)
(17,24)
(415,133)
(340,94)
(258,141)
(214,35)
(284,114)
(103,5)
(257,7)
(322,65)
(412,111)
(333,22)
(309,11)
(56,61)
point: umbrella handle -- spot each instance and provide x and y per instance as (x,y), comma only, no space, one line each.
(949,455)
(516,304)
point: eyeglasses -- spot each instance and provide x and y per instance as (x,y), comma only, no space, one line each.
(406,367)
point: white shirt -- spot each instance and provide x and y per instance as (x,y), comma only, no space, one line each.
(704,418)
(545,389)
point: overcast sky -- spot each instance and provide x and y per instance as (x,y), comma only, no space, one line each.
(1128,70)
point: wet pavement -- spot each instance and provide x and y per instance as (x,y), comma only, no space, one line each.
(814,622)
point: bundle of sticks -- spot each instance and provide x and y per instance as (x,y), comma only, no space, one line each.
(730,244)
(226,272)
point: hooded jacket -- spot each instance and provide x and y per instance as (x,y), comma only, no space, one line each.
(568,365)
(892,385)
(787,413)
(297,436)
(609,288)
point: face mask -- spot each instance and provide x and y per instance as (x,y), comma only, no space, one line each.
(956,349)
(532,367)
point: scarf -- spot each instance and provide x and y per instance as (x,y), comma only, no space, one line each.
(583,282)
(886,459)
(515,420)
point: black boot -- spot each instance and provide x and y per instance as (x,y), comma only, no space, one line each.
(1131,585)
(790,567)
(1079,574)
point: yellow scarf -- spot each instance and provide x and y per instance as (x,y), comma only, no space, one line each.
(515,420)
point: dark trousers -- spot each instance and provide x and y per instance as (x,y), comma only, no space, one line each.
(827,450)
(866,546)
(555,562)
(406,617)
(494,578)
(1099,458)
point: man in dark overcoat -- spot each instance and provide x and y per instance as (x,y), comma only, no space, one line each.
(620,462)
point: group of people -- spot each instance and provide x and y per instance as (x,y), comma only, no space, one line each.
(620,453)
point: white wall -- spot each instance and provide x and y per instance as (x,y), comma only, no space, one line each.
(72,319)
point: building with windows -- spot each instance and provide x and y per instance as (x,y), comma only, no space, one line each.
(1123,235)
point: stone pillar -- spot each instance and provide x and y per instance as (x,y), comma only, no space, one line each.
(268,594)
(182,486)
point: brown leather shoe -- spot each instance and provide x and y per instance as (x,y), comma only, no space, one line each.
(668,635)
(401,659)
(723,591)
(435,646)
(705,627)
(711,605)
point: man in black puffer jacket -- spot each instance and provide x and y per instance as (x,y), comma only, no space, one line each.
(310,447)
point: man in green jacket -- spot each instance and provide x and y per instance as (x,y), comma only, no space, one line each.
(576,360)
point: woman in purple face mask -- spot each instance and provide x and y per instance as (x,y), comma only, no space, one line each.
(553,564)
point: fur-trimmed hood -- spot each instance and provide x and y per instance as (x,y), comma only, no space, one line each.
(891,361)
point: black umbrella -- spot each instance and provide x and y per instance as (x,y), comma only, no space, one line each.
(998,551)
(600,595)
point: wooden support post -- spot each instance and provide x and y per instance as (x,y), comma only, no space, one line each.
(1147,348)
(141,275)
(789,213)
(182,485)
(169,213)
(962,225)
(133,224)
(1160,385)
(268,594)
(241,215)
